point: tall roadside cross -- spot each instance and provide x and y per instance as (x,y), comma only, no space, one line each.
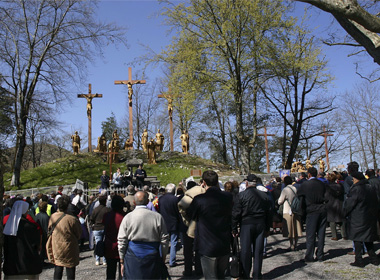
(266,146)
(89,98)
(325,134)
(130,83)
(169,98)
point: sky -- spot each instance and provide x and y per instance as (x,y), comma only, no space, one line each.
(143,27)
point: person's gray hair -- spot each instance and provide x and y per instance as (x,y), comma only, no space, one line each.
(131,189)
(146,188)
(170,188)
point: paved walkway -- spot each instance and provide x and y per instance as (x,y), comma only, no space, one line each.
(280,264)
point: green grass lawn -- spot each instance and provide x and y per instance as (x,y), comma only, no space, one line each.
(171,167)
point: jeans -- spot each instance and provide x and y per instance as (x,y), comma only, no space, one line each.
(58,272)
(173,247)
(315,227)
(99,234)
(214,267)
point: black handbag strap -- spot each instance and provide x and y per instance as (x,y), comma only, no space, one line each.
(55,224)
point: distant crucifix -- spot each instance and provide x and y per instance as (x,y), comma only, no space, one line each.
(325,134)
(130,83)
(89,98)
(266,146)
(169,98)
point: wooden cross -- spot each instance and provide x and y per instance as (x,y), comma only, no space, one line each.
(325,134)
(266,146)
(89,98)
(130,83)
(110,156)
(169,98)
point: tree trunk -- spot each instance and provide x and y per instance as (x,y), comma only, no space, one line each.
(1,206)
(21,144)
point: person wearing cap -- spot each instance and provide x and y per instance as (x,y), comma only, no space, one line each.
(360,208)
(251,212)
(313,192)
(212,212)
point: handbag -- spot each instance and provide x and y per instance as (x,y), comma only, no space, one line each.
(235,266)
(49,242)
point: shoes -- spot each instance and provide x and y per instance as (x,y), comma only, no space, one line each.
(358,264)
(351,253)
(305,260)
(374,262)
(345,238)
(96,263)
(187,273)
(334,238)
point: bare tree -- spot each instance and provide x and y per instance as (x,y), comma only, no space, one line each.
(359,19)
(44,45)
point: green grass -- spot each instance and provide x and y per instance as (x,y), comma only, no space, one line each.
(171,167)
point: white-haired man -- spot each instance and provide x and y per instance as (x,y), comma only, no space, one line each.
(168,207)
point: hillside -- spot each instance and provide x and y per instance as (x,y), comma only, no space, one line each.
(171,167)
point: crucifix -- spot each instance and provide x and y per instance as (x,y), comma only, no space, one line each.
(266,146)
(325,134)
(169,98)
(89,98)
(130,83)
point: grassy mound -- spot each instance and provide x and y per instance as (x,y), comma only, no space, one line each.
(171,167)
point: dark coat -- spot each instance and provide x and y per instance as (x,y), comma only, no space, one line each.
(212,212)
(313,191)
(21,251)
(375,184)
(360,208)
(334,202)
(168,208)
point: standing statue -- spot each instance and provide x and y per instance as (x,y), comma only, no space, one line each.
(76,143)
(159,141)
(308,164)
(102,144)
(144,140)
(151,147)
(321,165)
(115,136)
(185,142)
(128,145)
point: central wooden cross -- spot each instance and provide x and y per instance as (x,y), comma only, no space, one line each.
(89,98)
(266,146)
(169,98)
(325,134)
(130,83)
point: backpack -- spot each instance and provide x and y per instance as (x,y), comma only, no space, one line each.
(296,204)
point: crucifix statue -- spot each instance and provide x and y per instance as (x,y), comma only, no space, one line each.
(266,146)
(89,98)
(130,83)
(325,134)
(169,98)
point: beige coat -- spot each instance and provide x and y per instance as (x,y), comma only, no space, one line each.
(65,240)
(184,203)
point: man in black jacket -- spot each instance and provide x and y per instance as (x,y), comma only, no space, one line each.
(313,192)
(251,212)
(168,208)
(361,208)
(212,212)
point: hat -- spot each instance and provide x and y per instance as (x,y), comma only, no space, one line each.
(251,178)
(358,175)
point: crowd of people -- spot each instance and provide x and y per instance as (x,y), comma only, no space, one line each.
(134,234)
